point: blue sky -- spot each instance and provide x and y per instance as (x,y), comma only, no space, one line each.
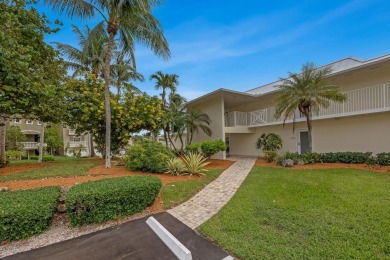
(244,44)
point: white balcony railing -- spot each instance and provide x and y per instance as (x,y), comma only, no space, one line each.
(72,132)
(29,145)
(359,101)
(77,143)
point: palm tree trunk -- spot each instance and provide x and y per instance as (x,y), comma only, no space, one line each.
(41,142)
(309,131)
(170,140)
(107,97)
(181,140)
(2,141)
(92,149)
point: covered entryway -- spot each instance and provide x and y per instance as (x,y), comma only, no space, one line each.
(303,141)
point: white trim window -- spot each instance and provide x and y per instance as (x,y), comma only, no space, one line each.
(17,121)
(77,139)
(39,123)
(29,122)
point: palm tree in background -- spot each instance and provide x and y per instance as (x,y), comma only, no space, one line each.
(175,117)
(132,21)
(195,121)
(165,82)
(90,56)
(308,92)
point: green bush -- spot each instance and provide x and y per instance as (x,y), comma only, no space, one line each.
(310,158)
(347,157)
(3,162)
(24,213)
(99,201)
(148,156)
(211,147)
(383,159)
(193,148)
(269,142)
(195,163)
(175,166)
(14,154)
(270,156)
(45,158)
(296,157)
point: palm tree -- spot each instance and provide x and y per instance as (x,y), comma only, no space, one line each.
(90,56)
(176,118)
(308,92)
(123,71)
(196,120)
(165,82)
(133,21)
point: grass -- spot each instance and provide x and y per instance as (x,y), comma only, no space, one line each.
(178,192)
(63,168)
(306,214)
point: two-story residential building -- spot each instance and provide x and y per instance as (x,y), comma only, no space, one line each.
(361,123)
(72,141)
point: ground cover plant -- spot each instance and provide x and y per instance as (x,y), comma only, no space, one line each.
(306,214)
(25,213)
(65,168)
(175,193)
(99,201)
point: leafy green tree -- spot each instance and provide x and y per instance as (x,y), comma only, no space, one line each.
(308,92)
(131,114)
(53,137)
(14,136)
(28,65)
(195,121)
(132,21)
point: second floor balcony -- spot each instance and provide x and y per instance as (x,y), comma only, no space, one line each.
(360,101)
(77,144)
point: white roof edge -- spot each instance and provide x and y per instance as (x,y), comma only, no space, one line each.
(220,90)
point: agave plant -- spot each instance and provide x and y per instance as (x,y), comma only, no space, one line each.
(194,163)
(175,166)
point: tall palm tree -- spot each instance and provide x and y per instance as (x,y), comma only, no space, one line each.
(89,57)
(195,121)
(131,20)
(165,82)
(176,118)
(308,92)
(123,71)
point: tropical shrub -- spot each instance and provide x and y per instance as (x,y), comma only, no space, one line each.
(13,154)
(193,148)
(24,213)
(3,162)
(194,163)
(148,156)
(310,158)
(269,142)
(102,200)
(270,156)
(347,157)
(45,158)
(295,157)
(175,166)
(211,147)
(383,158)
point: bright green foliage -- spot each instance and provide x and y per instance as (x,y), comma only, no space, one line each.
(383,159)
(13,154)
(338,157)
(194,163)
(24,213)
(175,166)
(196,120)
(296,157)
(211,147)
(308,92)
(269,142)
(281,213)
(270,156)
(148,156)
(15,135)
(99,201)
(131,114)
(53,137)
(193,148)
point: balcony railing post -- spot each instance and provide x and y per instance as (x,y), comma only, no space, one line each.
(384,95)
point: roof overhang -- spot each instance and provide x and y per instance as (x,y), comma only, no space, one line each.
(231,97)
(30,132)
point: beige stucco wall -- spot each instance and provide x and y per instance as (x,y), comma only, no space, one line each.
(215,110)
(364,133)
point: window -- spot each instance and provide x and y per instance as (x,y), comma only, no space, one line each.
(39,123)
(29,122)
(77,139)
(17,121)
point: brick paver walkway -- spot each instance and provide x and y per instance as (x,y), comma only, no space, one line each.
(215,195)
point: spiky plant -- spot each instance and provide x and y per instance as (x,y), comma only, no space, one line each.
(175,166)
(194,164)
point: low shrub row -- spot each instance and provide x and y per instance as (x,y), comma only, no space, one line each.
(338,157)
(45,158)
(208,148)
(24,213)
(99,201)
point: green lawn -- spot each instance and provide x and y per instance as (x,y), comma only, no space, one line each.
(178,192)
(63,168)
(306,214)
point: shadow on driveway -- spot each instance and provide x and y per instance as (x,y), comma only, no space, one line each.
(132,240)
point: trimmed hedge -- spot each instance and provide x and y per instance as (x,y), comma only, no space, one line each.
(383,158)
(24,213)
(211,147)
(45,158)
(148,156)
(99,201)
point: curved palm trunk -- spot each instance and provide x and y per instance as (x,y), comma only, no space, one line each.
(107,97)
(41,142)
